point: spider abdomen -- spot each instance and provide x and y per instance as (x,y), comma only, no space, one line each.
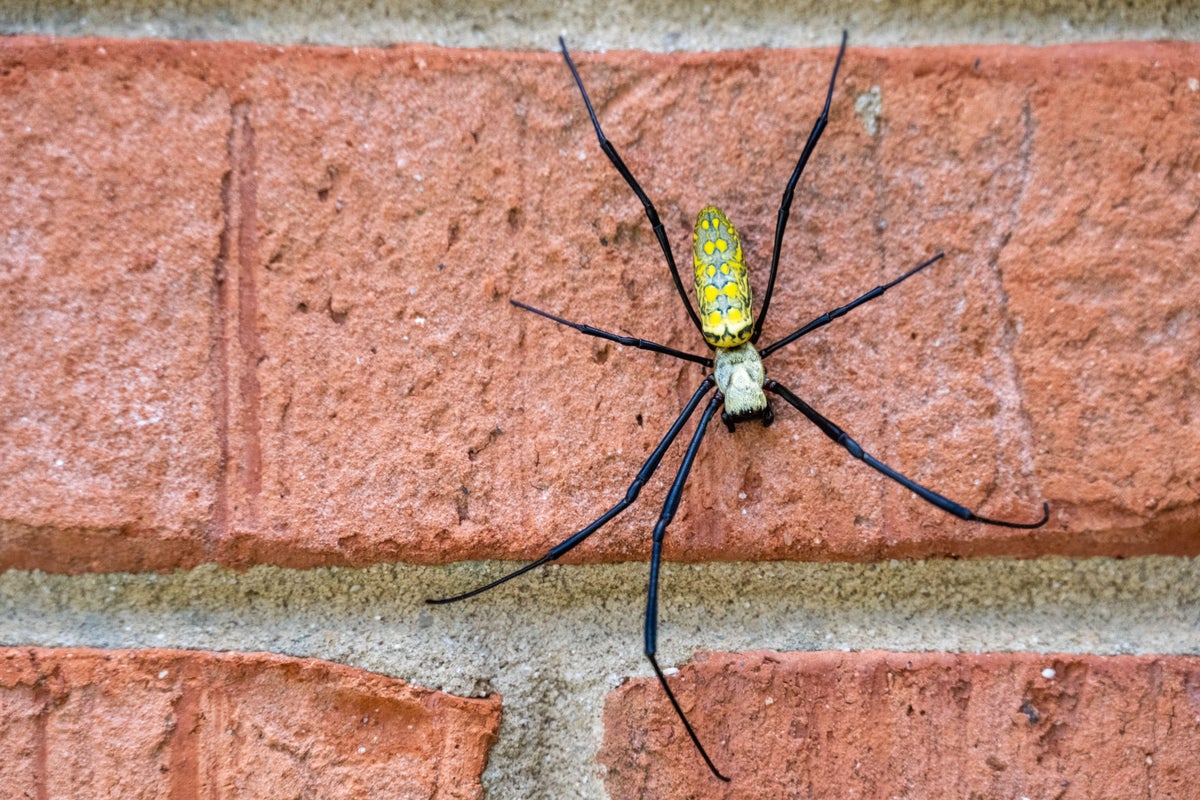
(722,284)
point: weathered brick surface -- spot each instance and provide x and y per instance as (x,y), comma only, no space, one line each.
(255,301)
(886,725)
(170,724)
(108,453)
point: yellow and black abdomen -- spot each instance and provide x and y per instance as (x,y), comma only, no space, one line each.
(722,285)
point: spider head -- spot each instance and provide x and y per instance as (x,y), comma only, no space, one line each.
(740,375)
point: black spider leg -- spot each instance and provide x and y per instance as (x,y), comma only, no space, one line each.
(634,488)
(854,449)
(651,214)
(830,316)
(660,531)
(785,207)
(628,341)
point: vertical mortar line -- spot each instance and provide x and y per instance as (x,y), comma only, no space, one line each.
(184,757)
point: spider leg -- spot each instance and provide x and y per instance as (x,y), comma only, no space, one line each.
(634,488)
(830,316)
(785,207)
(651,214)
(660,531)
(838,435)
(628,341)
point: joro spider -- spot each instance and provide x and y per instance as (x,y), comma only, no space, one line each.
(730,328)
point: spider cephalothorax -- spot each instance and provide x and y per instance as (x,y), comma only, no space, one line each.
(729,326)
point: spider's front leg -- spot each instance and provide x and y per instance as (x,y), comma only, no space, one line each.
(615,159)
(855,449)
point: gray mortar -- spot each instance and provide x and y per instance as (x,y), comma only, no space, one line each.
(557,641)
(645,25)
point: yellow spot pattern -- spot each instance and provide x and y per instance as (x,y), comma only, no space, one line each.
(722,284)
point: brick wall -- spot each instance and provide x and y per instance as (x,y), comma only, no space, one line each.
(255,314)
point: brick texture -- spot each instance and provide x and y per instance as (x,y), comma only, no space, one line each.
(253,301)
(886,725)
(178,724)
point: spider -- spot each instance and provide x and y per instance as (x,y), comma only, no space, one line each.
(731,330)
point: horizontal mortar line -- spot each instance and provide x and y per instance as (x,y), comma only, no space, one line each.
(815,29)
(575,631)
(1096,606)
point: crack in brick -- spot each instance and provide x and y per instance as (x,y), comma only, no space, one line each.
(185,750)
(41,696)
(235,353)
(219,361)
(245,164)
(1008,338)
(880,230)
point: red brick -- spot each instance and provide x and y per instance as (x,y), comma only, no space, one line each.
(109,457)
(178,724)
(886,725)
(256,298)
